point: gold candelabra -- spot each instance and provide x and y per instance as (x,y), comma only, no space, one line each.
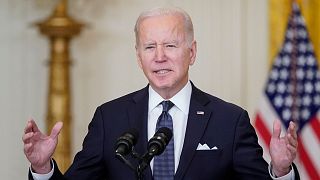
(60,27)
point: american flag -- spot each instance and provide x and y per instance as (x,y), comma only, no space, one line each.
(292,93)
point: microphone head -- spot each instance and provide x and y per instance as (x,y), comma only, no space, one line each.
(126,141)
(133,134)
(165,132)
(159,141)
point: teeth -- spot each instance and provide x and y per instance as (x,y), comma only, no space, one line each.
(162,71)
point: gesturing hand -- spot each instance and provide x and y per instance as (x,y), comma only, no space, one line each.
(39,147)
(283,150)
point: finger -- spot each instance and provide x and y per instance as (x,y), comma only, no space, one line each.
(286,139)
(28,127)
(276,129)
(26,137)
(27,148)
(56,129)
(291,152)
(292,141)
(292,129)
(291,149)
(34,126)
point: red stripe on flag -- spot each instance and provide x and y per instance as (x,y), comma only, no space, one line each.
(262,129)
(308,165)
(315,124)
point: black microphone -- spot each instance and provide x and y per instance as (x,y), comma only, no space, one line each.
(125,142)
(156,145)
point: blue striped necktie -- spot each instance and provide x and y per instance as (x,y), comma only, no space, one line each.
(163,166)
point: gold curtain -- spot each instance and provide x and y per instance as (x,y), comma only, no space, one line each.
(279,11)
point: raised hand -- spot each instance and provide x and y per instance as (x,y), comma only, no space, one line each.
(39,147)
(283,150)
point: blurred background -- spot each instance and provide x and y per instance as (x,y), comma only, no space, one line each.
(233,60)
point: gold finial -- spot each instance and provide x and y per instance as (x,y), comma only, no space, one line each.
(60,23)
(61,9)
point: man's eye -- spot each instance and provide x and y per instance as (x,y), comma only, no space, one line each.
(171,46)
(149,47)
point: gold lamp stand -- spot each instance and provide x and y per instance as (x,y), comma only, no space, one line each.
(60,28)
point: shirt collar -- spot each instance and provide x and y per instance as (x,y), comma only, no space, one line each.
(181,100)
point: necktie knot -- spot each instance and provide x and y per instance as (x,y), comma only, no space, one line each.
(166,106)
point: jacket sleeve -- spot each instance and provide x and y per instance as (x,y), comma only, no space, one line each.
(88,163)
(247,153)
(248,160)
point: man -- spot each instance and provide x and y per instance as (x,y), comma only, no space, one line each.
(212,139)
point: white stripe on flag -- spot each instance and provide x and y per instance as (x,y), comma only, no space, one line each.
(313,149)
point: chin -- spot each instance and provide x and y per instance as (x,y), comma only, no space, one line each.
(162,85)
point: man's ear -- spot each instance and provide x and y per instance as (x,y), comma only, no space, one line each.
(193,52)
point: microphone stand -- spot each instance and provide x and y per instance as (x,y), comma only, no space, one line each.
(139,173)
(156,146)
(143,163)
(125,161)
(138,169)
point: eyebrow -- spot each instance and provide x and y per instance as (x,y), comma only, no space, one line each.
(154,43)
(149,43)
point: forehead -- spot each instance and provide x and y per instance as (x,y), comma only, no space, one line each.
(163,25)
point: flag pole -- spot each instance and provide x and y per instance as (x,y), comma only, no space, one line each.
(293,57)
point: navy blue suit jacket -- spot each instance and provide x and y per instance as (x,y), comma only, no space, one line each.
(223,125)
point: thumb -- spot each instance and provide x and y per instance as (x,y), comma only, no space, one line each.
(56,129)
(276,129)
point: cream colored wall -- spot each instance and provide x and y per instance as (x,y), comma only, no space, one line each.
(231,61)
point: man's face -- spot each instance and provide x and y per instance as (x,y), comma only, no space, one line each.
(163,53)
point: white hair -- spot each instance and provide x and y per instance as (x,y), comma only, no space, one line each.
(162,11)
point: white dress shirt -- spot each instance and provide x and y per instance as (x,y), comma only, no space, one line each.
(179,113)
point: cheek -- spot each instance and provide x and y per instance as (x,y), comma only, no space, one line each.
(184,62)
(144,65)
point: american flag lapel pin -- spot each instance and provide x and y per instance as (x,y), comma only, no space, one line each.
(200,112)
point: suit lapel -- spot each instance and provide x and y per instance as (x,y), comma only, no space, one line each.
(197,122)
(138,119)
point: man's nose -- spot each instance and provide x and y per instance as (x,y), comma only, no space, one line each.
(160,53)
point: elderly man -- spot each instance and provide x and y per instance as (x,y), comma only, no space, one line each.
(212,139)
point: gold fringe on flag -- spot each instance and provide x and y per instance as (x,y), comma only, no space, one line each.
(279,10)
